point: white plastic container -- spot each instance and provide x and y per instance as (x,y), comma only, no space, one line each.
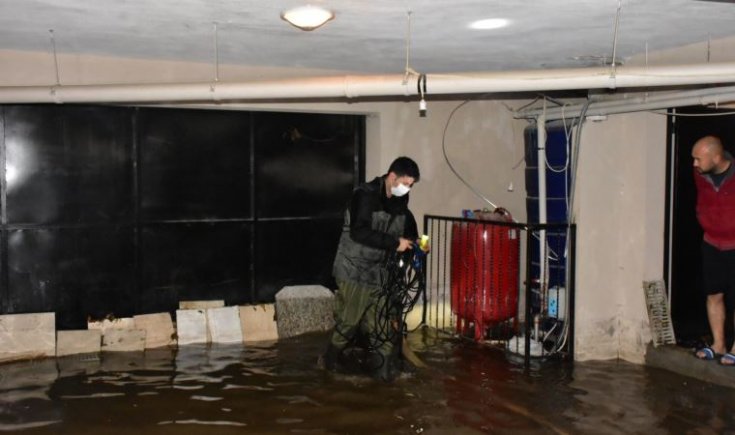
(558,302)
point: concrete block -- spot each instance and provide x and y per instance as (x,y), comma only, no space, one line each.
(123,340)
(159,329)
(258,322)
(191,326)
(224,325)
(200,305)
(105,324)
(25,336)
(302,309)
(75,342)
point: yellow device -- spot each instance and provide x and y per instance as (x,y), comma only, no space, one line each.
(424,242)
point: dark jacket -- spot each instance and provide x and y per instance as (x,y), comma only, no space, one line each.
(716,209)
(373,223)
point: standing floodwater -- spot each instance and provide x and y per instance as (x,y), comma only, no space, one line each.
(277,388)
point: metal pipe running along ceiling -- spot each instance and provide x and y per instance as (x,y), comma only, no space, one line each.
(636,103)
(349,87)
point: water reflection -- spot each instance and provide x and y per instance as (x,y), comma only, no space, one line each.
(277,388)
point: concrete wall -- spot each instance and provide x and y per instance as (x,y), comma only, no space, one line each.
(483,142)
(620,208)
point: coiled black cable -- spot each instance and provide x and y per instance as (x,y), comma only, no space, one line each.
(402,286)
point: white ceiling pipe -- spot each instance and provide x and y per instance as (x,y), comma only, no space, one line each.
(637,102)
(376,86)
(638,105)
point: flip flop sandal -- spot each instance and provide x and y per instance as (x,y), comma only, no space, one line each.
(707,354)
(730,358)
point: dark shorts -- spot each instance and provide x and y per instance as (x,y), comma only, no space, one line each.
(718,271)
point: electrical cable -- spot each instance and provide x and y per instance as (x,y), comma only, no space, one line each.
(419,90)
(549,332)
(402,288)
(392,302)
(567,140)
(562,338)
(422,93)
(575,161)
(572,149)
(449,163)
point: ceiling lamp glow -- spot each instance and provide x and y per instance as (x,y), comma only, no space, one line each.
(489,24)
(307,17)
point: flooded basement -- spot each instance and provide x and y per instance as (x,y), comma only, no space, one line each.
(277,388)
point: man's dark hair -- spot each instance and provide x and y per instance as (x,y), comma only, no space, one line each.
(404,166)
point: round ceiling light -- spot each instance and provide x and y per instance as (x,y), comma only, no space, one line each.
(307,17)
(489,23)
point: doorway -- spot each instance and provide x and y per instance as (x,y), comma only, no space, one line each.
(683,265)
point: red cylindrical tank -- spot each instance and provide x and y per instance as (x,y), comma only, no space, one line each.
(484,275)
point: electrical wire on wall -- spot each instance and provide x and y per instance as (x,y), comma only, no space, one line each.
(449,163)
(568,126)
(574,162)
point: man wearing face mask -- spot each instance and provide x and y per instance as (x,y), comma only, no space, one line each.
(377,223)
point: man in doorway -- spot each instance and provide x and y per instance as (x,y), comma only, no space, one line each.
(715,181)
(377,223)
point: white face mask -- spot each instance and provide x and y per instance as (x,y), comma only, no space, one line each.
(399,190)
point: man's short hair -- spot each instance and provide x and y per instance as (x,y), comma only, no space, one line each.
(404,166)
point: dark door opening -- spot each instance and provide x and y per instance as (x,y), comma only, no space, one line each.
(688,309)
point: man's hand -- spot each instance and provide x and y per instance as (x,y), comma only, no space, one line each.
(404,244)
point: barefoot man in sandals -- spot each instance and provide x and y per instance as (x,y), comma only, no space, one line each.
(714,177)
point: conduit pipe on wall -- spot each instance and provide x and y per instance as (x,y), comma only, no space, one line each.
(541,167)
(375,86)
(637,103)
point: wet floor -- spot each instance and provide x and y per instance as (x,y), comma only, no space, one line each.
(277,388)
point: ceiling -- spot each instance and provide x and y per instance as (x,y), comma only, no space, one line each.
(367,36)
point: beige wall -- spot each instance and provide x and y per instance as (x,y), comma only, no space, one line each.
(620,196)
(483,142)
(620,215)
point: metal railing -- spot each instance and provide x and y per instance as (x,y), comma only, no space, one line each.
(483,281)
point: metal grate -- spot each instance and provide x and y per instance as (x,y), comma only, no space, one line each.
(658,313)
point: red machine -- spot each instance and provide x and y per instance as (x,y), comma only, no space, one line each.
(484,274)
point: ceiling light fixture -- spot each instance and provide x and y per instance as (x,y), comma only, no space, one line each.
(307,17)
(489,24)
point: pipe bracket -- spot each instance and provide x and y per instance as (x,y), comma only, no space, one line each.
(55,95)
